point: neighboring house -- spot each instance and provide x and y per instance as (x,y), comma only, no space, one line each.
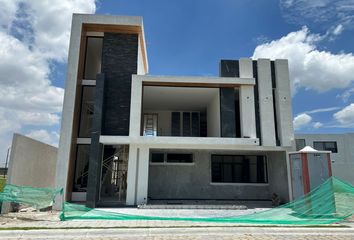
(341,146)
(128,137)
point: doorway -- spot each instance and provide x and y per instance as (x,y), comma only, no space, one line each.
(113,181)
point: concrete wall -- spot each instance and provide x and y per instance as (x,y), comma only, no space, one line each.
(193,181)
(141,67)
(213,117)
(32,163)
(343,160)
(278,179)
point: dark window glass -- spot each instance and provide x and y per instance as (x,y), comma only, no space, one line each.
(300,144)
(157,157)
(86,115)
(175,124)
(93,57)
(179,158)
(186,124)
(81,168)
(326,146)
(238,169)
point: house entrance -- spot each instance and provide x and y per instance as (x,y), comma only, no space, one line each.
(113,182)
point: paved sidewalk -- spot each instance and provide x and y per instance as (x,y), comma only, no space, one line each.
(219,233)
(51,219)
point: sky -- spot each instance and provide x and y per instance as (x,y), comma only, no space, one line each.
(183,37)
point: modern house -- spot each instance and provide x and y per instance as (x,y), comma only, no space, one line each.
(128,137)
(341,146)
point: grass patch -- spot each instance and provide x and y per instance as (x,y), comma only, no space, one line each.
(2,183)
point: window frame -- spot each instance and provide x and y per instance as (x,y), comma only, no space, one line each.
(85,56)
(239,183)
(324,146)
(300,139)
(171,163)
(81,109)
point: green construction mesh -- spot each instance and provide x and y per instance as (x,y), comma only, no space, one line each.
(330,202)
(37,198)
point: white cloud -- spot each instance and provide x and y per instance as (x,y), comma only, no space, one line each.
(301,121)
(317,125)
(310,68)
(345,116)
(324,12)
(321,110)
(34,36)
(51,138)
(338,30)
(346,94)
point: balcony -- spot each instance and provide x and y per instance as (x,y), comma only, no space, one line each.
(181,111)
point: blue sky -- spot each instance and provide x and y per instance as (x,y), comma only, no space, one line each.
(183,38)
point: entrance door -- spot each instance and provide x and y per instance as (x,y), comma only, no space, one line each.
(296,176)
(150,124)
(113,186)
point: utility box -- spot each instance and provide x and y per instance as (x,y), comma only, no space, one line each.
(309,168)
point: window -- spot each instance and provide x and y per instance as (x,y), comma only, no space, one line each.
(86,115)
(300,144)
(166,158)
(93,57)
(185,124)
(81,168)
(326,146)
(157,157)
(179,158)
(238,169)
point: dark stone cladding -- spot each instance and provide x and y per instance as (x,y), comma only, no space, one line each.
(95,147)
(228,68)
(119,62)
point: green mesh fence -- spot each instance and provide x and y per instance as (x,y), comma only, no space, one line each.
(331,202)
(37,198)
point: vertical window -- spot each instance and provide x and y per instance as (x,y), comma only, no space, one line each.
(81,168)
(86,114)
(93,57)
(189,125)
(326,146)
(238,169)
(300,144)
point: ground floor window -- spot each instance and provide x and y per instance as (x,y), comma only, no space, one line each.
(238,169)
(175,158)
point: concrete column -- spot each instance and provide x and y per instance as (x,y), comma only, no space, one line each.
(283,103)
(143,176)
(132,174)
(266,110)
(135,107)
(247,106)
(96,149)
(65,143)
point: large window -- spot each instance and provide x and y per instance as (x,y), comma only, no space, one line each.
(93,57)
(81,168)
(174,158)
(190,122)
(326,146)
(238,169)
(86,114)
